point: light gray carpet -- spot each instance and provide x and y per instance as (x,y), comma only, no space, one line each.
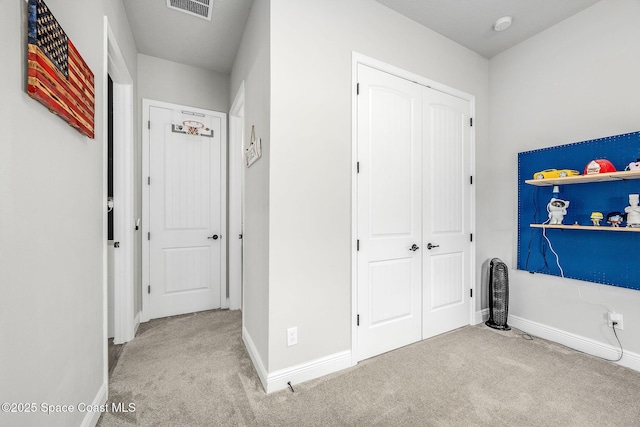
(194,371)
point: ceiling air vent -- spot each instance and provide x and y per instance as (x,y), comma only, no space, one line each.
(199,8)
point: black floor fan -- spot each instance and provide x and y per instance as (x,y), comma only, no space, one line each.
(498,295)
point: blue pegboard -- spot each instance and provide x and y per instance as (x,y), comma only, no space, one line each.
(610,258)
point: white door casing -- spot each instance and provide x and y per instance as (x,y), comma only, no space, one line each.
(124,221)
(236,191)
(446,203)
(184,255)
(389,196)
(121,300)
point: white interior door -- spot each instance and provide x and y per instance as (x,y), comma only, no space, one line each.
(185,213)
(389,216)
(413,188)
(447,213)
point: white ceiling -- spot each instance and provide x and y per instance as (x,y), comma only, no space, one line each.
(186,39)
(175,36)
(470,22)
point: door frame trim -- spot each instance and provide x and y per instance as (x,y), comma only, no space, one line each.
(124,143)
(146,104)
(236,191)
(357,59)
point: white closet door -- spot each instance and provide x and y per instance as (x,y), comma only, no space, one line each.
(446,213)
(413,191)
(389,216)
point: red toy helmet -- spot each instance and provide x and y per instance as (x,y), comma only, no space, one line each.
(599,166)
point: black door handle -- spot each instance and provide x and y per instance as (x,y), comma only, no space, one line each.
(214,237)
(414,247)
(430,246)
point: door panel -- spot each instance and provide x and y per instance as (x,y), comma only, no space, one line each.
(445,166)
(445,273)
(447,223)
(185,210)
(390,291)
(187,269)
(389,194)
(187,182)
(391,171)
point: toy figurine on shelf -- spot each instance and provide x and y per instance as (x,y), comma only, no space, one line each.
(633,166)
(615,219)
(557,209)
(596,217)
(633,211)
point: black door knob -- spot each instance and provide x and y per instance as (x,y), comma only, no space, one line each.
(414,247)
(214,237)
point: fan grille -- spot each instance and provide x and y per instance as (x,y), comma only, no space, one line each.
(199,8)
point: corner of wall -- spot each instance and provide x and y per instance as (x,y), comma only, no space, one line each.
(255,357)
(91,417)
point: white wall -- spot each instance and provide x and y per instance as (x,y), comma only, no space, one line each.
(51,227)
(311,165)
(574,82)
(252,65)
(181,84)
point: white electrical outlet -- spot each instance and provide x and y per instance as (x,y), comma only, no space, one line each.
(615,317)
(292,336)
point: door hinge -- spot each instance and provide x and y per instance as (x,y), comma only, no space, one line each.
(357,88)
(471,180)
(471,237)
(358,245)
(358,320)
(149,236)
(149,289)
(357,167)
(148,180)
(471,293)
(148,124)
(470,121)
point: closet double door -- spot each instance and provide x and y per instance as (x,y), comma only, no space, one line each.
(413,212)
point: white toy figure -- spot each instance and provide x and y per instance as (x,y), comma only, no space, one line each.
(633,211)
(557,209)
(633,166)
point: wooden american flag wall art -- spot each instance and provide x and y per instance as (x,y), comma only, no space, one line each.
(57,75)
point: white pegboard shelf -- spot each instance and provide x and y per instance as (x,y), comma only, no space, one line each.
(584,179)
(586,227)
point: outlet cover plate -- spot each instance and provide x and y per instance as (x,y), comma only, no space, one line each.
(292,336)
(616,317)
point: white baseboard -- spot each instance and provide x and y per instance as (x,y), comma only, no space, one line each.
(91,417)
(255,357)
(297,374)
(481,316)
(136,323)
(586,345)
(308,371)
